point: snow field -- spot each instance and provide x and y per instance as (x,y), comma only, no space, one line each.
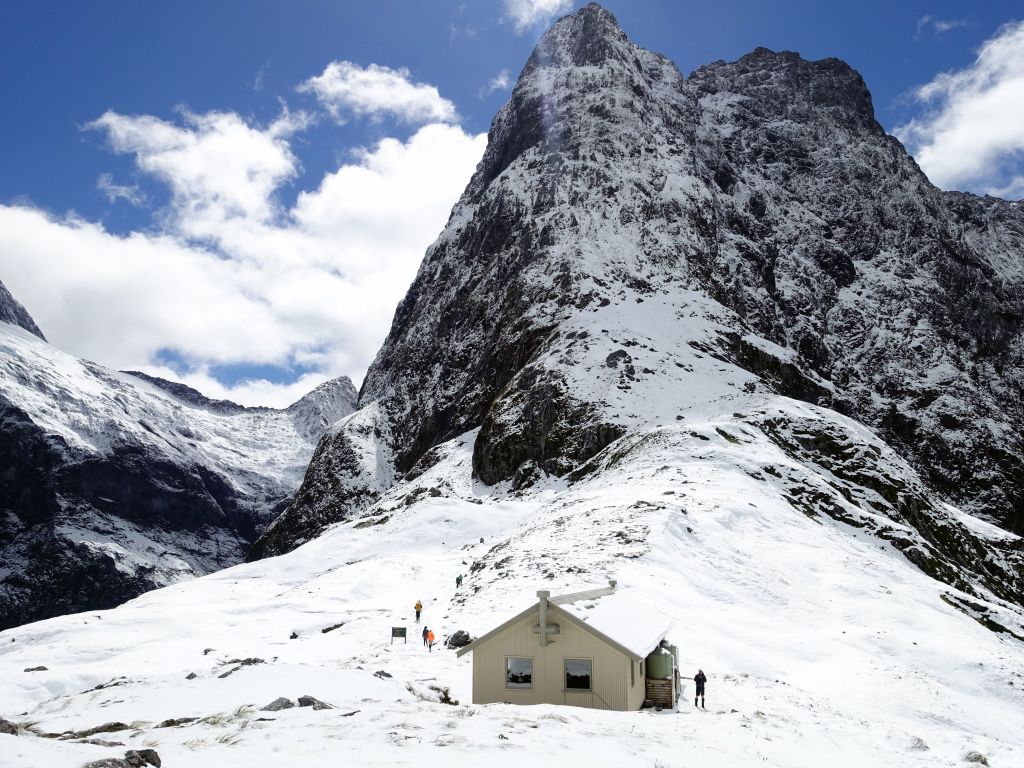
(820,644)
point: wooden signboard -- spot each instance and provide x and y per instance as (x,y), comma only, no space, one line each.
(398,632)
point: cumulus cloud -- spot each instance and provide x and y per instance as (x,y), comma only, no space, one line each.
(526,13)
(936,26)
(972,131)
(114,192)
(218,167)
(500,82)
(344,88)
(229,275)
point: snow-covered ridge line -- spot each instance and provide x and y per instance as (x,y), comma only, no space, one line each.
(11,311)
(114,485)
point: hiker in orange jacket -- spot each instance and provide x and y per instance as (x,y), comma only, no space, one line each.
(430,640)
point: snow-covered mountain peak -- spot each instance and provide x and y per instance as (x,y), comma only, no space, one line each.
(12,311)
(315,411)
(787,86)
(590,37)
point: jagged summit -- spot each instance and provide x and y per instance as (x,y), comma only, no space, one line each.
(785,85)
(589,37)
(315,411)
(11,311)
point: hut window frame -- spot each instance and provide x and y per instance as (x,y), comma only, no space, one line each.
(514,686)
(590,676)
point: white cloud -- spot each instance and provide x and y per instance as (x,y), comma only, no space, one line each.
(972,132)
(500,82)
(218,167)
(375,91)
(229,276)
(114,192)
(525,13)
(938,27)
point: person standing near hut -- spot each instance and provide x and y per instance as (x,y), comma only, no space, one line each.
(699,679)
(419,607)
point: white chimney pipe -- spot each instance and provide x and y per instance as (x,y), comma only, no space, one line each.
(543,595)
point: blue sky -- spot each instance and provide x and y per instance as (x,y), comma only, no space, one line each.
(93,190)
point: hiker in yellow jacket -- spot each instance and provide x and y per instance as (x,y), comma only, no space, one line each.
(419,607)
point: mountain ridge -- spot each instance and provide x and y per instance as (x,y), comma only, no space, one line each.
(12,311)
(114,484)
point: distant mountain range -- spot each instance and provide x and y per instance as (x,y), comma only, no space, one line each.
(112,484)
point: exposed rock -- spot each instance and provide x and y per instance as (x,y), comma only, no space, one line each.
(111,727)
(459,639)
(6,726)
(176,721)
(35,669)
(109,762)
(11,311)
(309,701)
(278,704)
(381,674)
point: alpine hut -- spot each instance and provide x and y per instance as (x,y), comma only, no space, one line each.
(593,648)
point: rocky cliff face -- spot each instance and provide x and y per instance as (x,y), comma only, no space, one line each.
(112,484)
(638,249)
(12,312)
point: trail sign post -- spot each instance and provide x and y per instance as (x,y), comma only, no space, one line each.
(398,632)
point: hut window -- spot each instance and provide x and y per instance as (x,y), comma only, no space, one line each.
(578,674)
(518,672)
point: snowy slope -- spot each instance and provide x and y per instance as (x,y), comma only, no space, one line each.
(113,485)
(818,642)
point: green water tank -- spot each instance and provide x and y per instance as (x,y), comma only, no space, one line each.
(659,664)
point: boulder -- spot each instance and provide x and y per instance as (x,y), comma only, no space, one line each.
(278,704)
(150,757)
(459,639)
(109,762)
(6,726)
(309,701)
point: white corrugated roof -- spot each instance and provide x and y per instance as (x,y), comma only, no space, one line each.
(633,624)
(586,594)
